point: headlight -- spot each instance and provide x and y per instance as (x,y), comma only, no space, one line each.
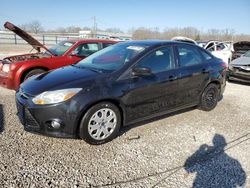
(6,68)
(230,67)
(52,97)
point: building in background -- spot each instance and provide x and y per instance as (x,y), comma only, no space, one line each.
(105,35)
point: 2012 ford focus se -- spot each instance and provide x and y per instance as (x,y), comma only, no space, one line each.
(120,85)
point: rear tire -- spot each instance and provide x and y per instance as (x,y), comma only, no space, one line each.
(32,73)
(209,97)
(100,124)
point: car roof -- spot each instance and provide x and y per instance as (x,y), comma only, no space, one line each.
(89,40)
(155,42)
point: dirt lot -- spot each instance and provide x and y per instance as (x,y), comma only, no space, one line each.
(210,149)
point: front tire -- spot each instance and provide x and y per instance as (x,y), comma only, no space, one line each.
(100,124)
(209,97)
(32,73)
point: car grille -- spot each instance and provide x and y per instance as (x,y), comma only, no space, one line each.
(25,116)
(242,70)
(20,112)
(29,120)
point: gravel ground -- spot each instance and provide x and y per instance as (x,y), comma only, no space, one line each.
(207,149)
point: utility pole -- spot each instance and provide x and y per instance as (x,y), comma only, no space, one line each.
(94,30)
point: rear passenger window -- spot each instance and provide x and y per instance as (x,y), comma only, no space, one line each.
(159,60)
(206,55)
(189,56)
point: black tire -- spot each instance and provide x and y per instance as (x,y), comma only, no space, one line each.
(32,73)
(86,121)
(209,97)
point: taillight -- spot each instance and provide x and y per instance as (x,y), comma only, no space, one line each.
(224,65)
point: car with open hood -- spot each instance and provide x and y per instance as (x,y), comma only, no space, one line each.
(120,85)
(16,69)
(239,69)
(240,48)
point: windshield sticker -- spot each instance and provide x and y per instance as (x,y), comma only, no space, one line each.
(136,48)
(67,44)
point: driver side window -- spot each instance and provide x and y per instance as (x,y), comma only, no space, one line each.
(158,61)
(86,49)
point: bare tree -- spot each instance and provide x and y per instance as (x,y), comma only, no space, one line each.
(34,27)
(142,33)
(190,32)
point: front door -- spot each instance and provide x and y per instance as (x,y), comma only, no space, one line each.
(154,93)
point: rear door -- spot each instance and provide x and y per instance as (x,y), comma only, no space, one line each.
(193,73)
(157,92)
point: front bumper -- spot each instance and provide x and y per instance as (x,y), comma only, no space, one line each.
(36,119)
(5,81)
(238,75)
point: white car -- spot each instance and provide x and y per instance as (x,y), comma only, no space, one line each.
(184,39)
(222,50)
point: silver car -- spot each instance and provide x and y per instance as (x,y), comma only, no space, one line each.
(239,69)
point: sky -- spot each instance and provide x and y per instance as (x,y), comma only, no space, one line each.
(127,14)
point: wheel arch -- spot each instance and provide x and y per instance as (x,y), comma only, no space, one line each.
(213,81)
(216,82)
(115,102)
(27,70)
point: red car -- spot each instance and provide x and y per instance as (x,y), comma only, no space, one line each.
(15,69)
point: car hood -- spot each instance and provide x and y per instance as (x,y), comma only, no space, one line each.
(25,36)
(241,46)
(62,78)
(241,61)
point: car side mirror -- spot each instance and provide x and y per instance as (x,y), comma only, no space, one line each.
(74,53)
(77,54)
(141,71)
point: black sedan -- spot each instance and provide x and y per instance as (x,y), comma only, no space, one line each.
(120,85)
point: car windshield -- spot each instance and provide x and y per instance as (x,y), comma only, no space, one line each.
(60,48)
(247,54)
(112,58)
